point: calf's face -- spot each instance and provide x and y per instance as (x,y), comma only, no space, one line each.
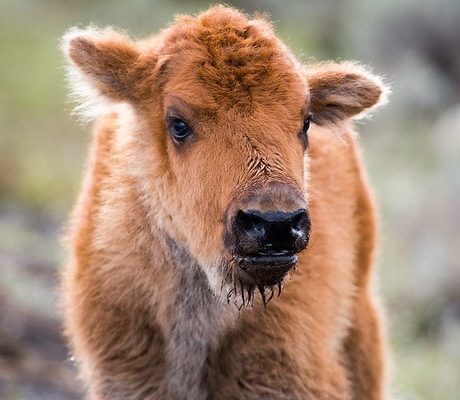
(219,136)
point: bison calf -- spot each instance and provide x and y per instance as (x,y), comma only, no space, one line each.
(222,243)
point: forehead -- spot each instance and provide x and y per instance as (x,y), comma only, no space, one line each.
(232,63)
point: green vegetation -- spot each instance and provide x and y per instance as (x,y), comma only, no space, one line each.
(412,149)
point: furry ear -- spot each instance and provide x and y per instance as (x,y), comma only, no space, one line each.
(343,90)
(104,66)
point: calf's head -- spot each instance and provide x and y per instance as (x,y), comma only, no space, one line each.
(215,133)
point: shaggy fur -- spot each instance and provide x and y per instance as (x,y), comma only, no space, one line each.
(153,305)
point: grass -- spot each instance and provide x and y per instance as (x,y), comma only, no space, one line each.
(42,151)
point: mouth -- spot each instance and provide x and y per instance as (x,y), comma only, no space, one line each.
(265,269)
(282,259)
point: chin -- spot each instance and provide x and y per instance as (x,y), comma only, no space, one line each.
(239,280)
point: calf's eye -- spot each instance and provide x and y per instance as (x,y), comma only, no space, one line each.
(179,129)
(306,125)
(304,132)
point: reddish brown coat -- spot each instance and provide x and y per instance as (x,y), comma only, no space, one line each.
(144,308)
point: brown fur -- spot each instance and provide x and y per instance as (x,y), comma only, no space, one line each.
(146,287)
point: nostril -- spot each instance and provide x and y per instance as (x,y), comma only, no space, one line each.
(251,223)
(300,229)
(258,229)
(300,221)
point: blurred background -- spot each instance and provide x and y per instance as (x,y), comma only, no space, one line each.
(412,151)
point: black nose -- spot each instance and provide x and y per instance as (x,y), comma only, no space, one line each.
(274,232)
